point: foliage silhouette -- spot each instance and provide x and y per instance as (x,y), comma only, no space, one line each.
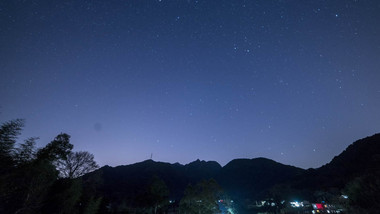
(201,198)
(29,181)
(76,164)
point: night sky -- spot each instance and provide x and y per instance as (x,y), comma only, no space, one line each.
(291,80)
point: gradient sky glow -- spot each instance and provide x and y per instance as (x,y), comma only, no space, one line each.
(291,80)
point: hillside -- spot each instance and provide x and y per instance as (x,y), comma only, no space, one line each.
(241,178)
(247,178)
(360,159)
(362,156)
(123,182)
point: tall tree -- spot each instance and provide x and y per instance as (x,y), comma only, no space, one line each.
(9,131)
(26,152)
(36,177)
(159,193)
(29,181)
(56,150)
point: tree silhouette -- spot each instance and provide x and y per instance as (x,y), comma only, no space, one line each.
(201,198)
(9,131)
(26,152)
(363,193)
(29,181)
(159,193)
(56,150)
(76,164)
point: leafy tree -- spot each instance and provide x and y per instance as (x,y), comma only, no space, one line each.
(56,150)
(9,131)
(91,198)
(63,196)
(93,206)
(159,193)
(363,193)
(26,152)
(30,185)
(201,198)
(36,174)
(153,198)
(29,181)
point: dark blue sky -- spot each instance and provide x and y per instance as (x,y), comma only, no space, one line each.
(292,80)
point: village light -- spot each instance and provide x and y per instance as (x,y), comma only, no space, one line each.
(296,204)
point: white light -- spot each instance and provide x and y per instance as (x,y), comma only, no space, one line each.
(296,204)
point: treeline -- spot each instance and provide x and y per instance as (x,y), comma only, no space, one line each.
(42,180)
(50,180)
(200,198)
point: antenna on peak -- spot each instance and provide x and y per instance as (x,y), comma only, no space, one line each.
(151,156)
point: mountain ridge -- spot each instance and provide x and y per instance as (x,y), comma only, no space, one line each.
(243,178)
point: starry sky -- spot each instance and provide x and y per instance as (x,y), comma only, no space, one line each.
(291,80)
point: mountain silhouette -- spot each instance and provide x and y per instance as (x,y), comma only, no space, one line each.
(360,159)
(246,178)
(240,178)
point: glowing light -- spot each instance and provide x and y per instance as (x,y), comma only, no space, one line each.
(296,204)
(230,211)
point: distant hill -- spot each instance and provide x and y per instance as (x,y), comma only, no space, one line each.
(361,158)
(247,178)
(241,178)
(126,182)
